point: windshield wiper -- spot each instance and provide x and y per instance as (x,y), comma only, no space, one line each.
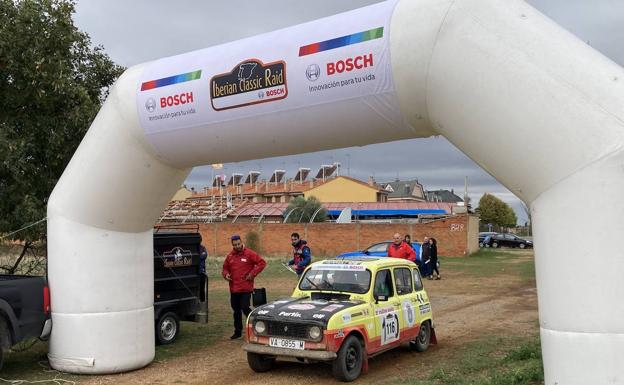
(329,285)
(313,284)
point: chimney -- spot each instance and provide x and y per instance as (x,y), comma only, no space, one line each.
(371,181)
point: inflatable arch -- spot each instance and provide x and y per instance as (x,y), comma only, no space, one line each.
(534,106)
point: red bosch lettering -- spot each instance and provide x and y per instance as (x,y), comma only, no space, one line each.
(176,100)
(350,64)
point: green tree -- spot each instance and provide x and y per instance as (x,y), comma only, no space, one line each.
(52,84)
(495,211)
(301,210)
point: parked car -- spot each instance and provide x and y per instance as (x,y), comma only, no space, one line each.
(508,240)
(377,250)
(484,235)
(342,312)
(177,280)
(24,310)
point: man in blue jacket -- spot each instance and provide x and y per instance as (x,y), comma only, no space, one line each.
(301,254)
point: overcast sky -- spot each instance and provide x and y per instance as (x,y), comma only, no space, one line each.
(134,32)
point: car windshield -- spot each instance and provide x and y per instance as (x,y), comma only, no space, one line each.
(345,278)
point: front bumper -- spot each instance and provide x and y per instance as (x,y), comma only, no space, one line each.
(318,355)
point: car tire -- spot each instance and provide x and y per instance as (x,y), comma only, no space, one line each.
(495,245)
(481,244)
(421,343)
(522,245)
(260,363)
(167,328)
(348,365)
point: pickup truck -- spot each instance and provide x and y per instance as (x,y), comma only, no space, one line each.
(178,283)
(24,310)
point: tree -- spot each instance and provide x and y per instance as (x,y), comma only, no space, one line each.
(495,211)
(52,84)
(301,210)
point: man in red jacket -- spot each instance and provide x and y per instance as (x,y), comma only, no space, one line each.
(400,249)
(240,268)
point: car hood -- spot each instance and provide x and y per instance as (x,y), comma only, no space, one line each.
(303,309)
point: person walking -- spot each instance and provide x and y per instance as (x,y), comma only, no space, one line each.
(240,268)
(433,245)
(302,256)
(425,257)
(400,249)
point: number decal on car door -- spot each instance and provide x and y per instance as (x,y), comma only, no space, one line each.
(390,329)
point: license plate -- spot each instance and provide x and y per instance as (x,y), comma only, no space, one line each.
(286,343)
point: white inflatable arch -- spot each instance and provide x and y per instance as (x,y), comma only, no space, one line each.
(534,106)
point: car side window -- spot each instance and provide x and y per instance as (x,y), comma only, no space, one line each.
(383,284)
(418,285)
(378,248)
(508,236)
(403,281)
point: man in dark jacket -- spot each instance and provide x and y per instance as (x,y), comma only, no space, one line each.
(240,268)
(425,250)
(302,256)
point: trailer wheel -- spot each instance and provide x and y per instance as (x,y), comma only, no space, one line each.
(167,328)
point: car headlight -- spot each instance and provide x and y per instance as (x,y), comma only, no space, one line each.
(260,327)
(315,333)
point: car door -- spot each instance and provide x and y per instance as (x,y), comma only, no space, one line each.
(406,295)
(387,311)
(422,308)
(510,240)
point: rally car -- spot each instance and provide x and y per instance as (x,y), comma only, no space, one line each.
(343,311)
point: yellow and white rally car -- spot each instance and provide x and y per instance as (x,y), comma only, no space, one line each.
(343,311)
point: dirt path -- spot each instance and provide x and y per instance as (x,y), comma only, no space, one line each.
(464,310)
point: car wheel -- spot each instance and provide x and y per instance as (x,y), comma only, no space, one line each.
(522,246)
(348,365)
(167,328)
(421,343)
(495,245)
(260,363)
(481,244)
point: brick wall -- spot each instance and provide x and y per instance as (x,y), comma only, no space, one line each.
(327,239)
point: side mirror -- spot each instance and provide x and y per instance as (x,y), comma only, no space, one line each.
(366,252)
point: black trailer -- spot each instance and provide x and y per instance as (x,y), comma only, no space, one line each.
(177,279)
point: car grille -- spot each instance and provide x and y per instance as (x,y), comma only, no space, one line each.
(288,329)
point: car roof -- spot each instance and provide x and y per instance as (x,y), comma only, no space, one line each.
(368,262)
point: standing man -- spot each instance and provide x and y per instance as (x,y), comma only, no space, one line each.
(240,268)
(400,249)
(301,254)
(425,250)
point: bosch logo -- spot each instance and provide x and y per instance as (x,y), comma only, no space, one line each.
(350,64)
(150,105)
(176,100)
(313,72)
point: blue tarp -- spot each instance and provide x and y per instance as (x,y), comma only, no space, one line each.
(389,213)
